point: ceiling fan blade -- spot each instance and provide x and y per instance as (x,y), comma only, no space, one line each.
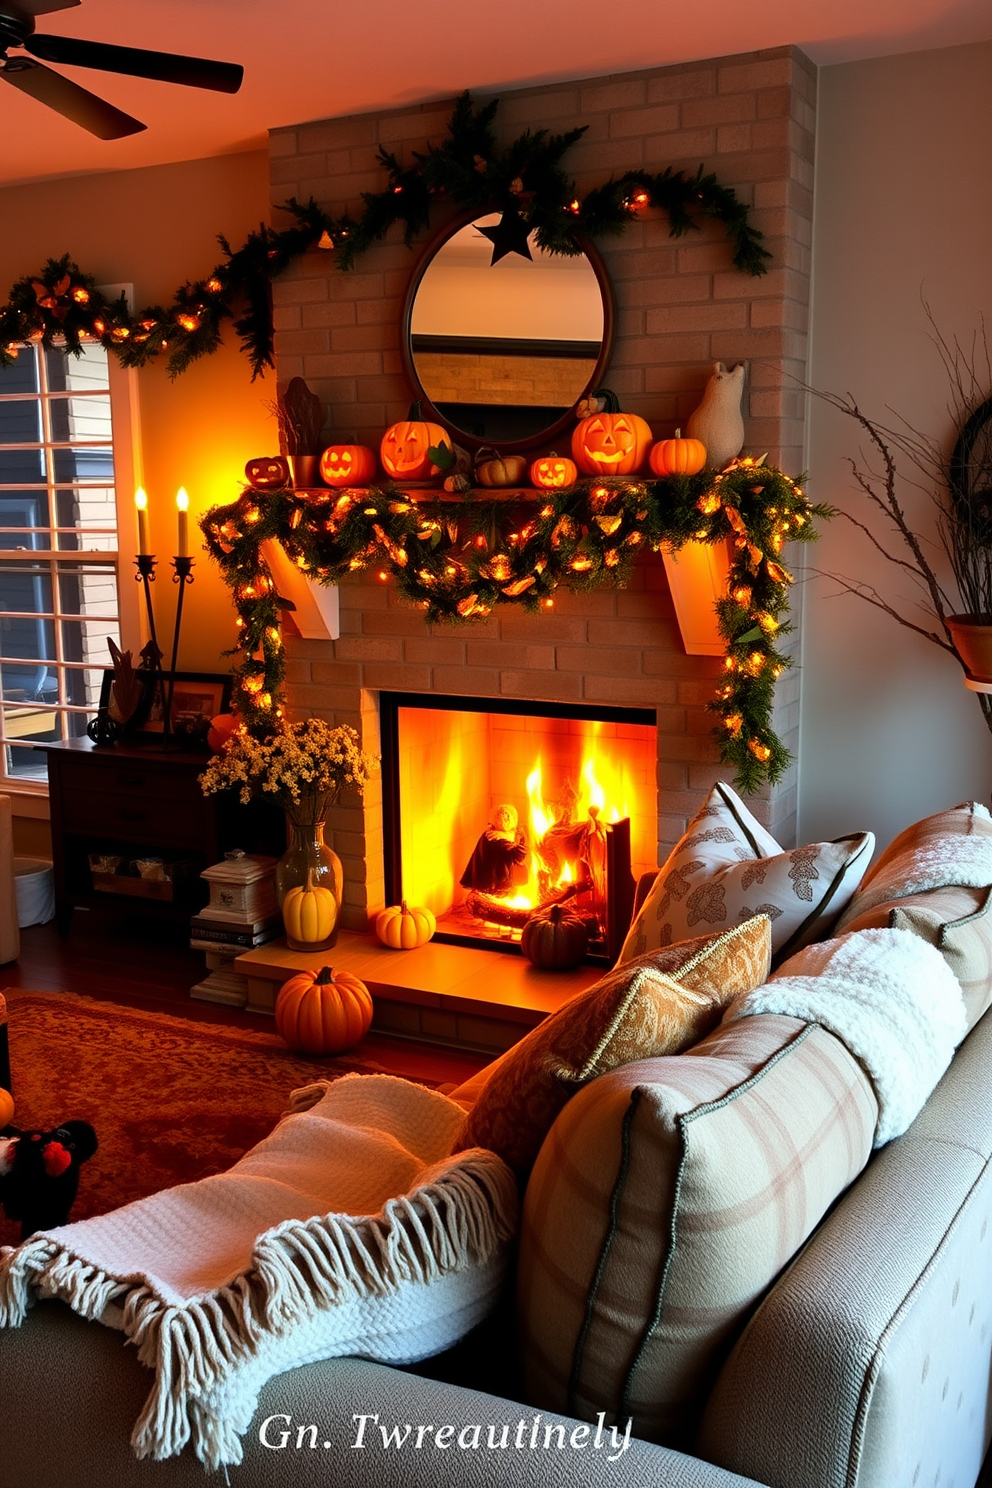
(42,7)
(69,99)
(166,67)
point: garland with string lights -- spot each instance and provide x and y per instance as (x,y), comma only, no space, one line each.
(523,181)
(460,561)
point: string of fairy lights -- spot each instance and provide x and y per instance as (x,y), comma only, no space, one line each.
(464,560)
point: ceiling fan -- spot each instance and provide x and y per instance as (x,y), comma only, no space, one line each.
(17,18)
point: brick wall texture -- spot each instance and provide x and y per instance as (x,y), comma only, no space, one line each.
(681,306)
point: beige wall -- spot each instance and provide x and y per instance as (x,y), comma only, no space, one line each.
(154,228)
(903,206)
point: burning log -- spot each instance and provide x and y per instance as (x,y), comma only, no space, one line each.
(496,912)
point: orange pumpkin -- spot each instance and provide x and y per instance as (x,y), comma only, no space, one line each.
(270,474)
(678,456)
(323,1012)
(403,927)
(404,447)
(552,473)
(347,465)
(6,1108)
(611,442)
(221,729)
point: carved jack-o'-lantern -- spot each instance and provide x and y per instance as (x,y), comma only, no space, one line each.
(611,442)
(404,447)
(347,465)
(270,474)
(552,473)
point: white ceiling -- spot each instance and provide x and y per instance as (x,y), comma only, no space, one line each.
(311,59)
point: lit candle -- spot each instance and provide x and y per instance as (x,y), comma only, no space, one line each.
(141,502)
(182,505)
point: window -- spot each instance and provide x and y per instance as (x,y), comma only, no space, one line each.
(59,579)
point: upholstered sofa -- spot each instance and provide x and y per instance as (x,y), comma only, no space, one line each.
(866,1363)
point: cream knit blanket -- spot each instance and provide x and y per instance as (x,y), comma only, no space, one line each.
(890,998)
(347,1231)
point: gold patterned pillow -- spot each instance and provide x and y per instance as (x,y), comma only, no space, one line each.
(659,1004)
(727,868)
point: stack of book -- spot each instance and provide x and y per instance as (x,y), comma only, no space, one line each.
(242,913)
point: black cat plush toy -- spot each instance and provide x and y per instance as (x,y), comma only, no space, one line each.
(39,1173)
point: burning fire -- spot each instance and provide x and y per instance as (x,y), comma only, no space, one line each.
(531,798)
(589,802)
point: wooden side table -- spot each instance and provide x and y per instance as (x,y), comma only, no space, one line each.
(136,802)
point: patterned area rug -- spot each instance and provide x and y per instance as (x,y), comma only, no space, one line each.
(171,1101)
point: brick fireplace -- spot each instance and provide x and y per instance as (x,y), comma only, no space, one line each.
(681,306)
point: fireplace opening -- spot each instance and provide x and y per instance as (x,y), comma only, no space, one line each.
(495,809)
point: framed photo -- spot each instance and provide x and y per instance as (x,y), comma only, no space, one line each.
(196,698)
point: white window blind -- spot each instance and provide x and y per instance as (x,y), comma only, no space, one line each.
(59,571)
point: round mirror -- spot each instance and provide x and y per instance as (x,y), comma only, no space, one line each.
(503,351)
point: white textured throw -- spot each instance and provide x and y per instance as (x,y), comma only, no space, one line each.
(889,997)
(347,1231)
(954,859)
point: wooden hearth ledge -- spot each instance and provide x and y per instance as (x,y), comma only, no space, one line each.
(441,994)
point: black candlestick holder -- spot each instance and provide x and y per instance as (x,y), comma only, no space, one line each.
(152,652)
(183,575)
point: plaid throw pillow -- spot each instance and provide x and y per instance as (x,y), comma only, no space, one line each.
(657,1005)
(666,1199)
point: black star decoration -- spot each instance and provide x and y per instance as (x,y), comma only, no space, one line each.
(508,236)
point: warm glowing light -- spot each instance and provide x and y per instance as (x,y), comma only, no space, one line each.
(81,295)
(189,322)
(760,751)
(182,510)
(141,506)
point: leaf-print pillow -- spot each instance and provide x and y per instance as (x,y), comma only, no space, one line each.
(727,868)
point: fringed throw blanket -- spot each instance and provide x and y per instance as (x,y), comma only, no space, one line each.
(890,998)
(347,1231)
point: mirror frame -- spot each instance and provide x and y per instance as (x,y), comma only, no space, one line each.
(547,436)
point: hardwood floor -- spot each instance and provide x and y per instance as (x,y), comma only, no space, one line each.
(143,964)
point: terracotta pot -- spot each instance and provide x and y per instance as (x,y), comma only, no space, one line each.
(972,637)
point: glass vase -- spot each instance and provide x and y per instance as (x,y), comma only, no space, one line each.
(309,886)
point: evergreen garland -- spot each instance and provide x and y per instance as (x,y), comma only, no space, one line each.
(460,560)
(61,304)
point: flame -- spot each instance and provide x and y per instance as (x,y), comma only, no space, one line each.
(592,798)
(450,785)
